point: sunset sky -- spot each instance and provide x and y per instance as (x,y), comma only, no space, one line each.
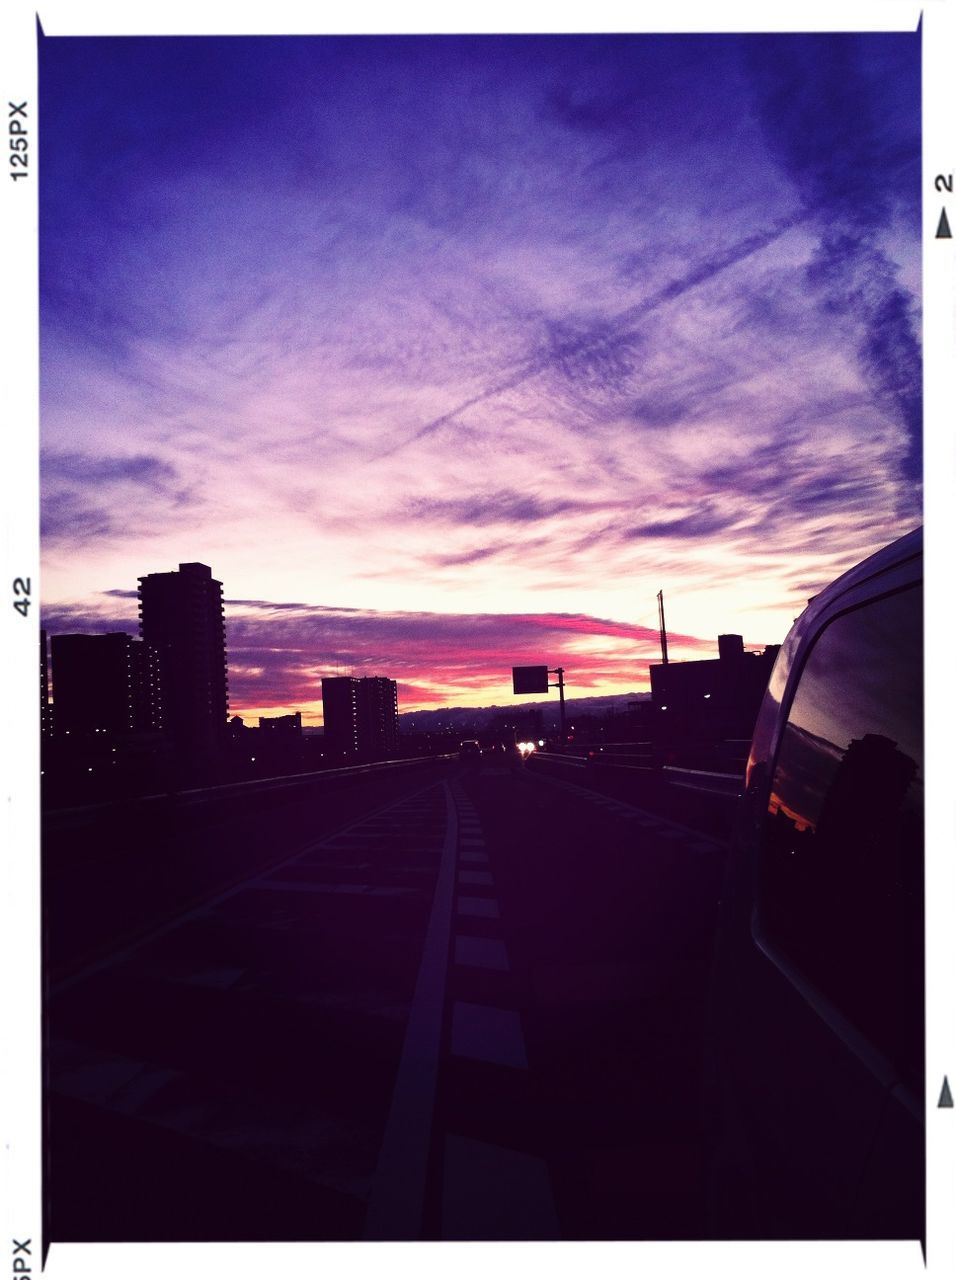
(448,353)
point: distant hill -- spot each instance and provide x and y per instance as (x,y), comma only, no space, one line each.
(459,719)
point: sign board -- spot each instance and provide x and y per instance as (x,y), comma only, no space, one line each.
(530,679)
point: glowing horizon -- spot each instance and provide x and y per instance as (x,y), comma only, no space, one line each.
(271,648)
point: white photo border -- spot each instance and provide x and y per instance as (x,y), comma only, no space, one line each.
(21,1079)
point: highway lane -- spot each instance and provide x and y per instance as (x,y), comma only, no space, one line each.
(233,1070)
(112,872)
(474,1012)
(607,914)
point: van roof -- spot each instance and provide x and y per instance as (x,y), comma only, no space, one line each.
(909,547)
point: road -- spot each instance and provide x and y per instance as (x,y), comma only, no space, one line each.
(468,1004)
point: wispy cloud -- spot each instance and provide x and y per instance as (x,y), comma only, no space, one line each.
(602,352)
(87,497)
(503,326)
(825,104)
(505,506)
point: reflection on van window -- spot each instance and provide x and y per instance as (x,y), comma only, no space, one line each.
(840,890)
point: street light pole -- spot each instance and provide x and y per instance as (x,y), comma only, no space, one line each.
(559,672)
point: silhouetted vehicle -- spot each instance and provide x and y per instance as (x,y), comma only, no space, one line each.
(817,1005)
(470,749)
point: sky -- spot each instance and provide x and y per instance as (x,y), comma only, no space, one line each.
(448,353)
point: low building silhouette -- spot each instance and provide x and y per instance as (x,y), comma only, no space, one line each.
(282,726)
(697,705)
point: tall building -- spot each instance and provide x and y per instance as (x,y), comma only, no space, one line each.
(105,684)
(181,616)
(360,716)
(340,715)
(44,687)
(378,716)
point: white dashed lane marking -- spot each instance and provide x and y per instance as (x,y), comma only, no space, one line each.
(489,1192)
(486,907)
(494,1193)
(481,953)
(487,1034)
(475,877)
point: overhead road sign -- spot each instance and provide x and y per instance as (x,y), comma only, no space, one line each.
(530,679)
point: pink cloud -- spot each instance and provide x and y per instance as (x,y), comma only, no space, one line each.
(278,653)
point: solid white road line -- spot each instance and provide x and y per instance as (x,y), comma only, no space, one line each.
(398,1190)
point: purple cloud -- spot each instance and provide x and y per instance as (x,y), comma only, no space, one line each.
(503,325)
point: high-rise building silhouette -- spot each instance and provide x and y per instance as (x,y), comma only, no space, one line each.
(340,714)
(44,687)
(105,684)
(181,616)
(378,704)
(360,716)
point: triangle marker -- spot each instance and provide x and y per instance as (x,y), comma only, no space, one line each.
(946,1097)
(942,231)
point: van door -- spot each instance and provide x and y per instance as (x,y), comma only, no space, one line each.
(836,982)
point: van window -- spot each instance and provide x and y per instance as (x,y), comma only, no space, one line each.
(840,880)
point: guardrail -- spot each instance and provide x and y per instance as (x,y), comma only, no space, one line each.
(702,799)
(718,784)
(572,761)
(622,760)
(249,786)
(711,781)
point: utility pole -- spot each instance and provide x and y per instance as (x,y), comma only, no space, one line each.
(660,610)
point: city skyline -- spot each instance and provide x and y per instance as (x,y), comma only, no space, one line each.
(527,639)
(455,351)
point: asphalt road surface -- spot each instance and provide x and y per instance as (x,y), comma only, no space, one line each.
(465,1002)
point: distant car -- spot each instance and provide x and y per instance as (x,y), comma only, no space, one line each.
(817,1002)
(470,749)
